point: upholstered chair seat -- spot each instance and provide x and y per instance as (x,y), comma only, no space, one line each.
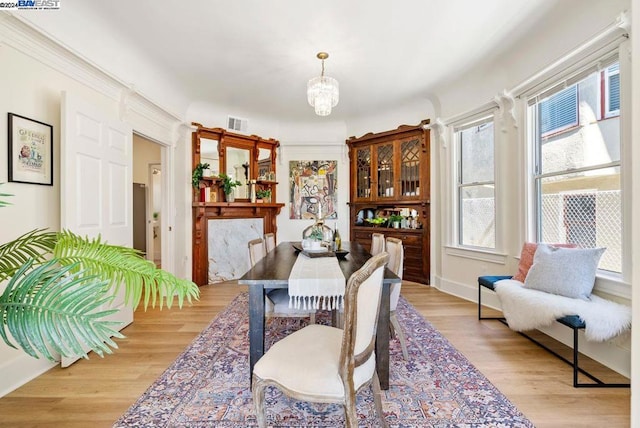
(318,347)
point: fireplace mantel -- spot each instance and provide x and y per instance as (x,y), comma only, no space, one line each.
(203,212)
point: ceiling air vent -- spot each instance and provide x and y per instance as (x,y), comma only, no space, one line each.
(237,124)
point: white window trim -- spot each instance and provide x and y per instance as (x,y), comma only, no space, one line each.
(452,124)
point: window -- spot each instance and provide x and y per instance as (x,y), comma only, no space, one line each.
(559,112)
(577,172)
(611,80)
(476,184)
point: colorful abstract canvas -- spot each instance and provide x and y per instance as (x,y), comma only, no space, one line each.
(312,187)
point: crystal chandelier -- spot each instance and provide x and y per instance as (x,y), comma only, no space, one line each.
(322,91)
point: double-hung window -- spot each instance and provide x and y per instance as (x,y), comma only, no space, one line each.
(476,184)
(576,155)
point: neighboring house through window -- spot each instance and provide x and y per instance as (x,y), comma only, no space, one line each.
(476,184)
(575,134)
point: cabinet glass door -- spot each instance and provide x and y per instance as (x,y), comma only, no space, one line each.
(363,173)
(384,166)
(410,169)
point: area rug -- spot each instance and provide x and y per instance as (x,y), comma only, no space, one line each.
(208,384)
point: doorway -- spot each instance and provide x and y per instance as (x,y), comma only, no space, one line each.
(147,204)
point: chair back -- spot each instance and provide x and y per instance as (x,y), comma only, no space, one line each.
(270,241)
(396,264)
(377,243)
(362,304)
(256,251)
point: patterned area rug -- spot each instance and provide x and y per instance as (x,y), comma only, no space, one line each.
(208,385)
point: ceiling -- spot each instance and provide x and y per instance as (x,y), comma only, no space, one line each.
(256,56)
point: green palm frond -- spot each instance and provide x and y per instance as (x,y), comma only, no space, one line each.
(34,245)
(49,308)
(122,265)
(4,203)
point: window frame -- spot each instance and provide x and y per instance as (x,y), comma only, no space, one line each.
(536,138)
(471,122)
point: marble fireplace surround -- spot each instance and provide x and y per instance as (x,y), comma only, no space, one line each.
(241,221)
(228,241)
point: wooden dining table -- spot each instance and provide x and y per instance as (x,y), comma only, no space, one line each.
(273,272)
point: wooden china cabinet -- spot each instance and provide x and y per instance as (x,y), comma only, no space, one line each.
(245,158)
(389,175)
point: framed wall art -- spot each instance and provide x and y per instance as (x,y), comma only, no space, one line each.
(313,189)
(30,151)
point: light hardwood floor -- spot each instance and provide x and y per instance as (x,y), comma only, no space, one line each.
(96,392)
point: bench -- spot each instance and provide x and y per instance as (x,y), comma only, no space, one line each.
(572,321)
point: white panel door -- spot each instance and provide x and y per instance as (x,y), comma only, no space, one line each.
(96,179)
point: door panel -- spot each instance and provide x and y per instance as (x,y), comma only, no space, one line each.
(96,179)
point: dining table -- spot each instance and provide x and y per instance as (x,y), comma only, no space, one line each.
(273,271)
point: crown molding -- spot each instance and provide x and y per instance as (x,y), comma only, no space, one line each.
(146,116)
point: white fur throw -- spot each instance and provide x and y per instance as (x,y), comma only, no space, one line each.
(527,309)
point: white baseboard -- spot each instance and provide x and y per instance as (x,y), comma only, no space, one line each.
(615,354)
(20,370)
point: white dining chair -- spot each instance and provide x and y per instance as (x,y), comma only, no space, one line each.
(270,241)
(377,243)
(324,364)
(276,302)
(396,263)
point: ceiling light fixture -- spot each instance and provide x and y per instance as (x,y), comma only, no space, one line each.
(322,91)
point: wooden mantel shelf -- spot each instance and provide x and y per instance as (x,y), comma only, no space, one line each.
(237,204)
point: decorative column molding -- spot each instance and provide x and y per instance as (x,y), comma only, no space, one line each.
(124,110)
(438,128)
(624,21)
(506,108)
(178,130)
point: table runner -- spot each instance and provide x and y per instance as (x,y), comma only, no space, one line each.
(316,281)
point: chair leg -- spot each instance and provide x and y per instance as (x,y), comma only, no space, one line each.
(398,331)
(377,398)
(257,388)
(350,413)
(312,318)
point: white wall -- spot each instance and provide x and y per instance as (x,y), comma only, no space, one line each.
(635,233)
(31,86)
(31,89)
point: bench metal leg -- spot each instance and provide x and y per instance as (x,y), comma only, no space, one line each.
(480,317)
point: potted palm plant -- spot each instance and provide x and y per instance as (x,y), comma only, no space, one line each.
(57,282)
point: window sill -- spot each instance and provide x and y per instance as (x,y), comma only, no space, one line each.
(612,284)
(490,256)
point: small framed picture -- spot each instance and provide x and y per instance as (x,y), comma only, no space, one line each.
(30,151)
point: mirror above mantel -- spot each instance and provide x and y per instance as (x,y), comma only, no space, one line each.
(242,157)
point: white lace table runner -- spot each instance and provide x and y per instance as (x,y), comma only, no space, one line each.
(316,281)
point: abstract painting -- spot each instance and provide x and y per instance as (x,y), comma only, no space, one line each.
(312,187)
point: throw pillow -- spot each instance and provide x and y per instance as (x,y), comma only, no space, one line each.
(563,271)
(526,258)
